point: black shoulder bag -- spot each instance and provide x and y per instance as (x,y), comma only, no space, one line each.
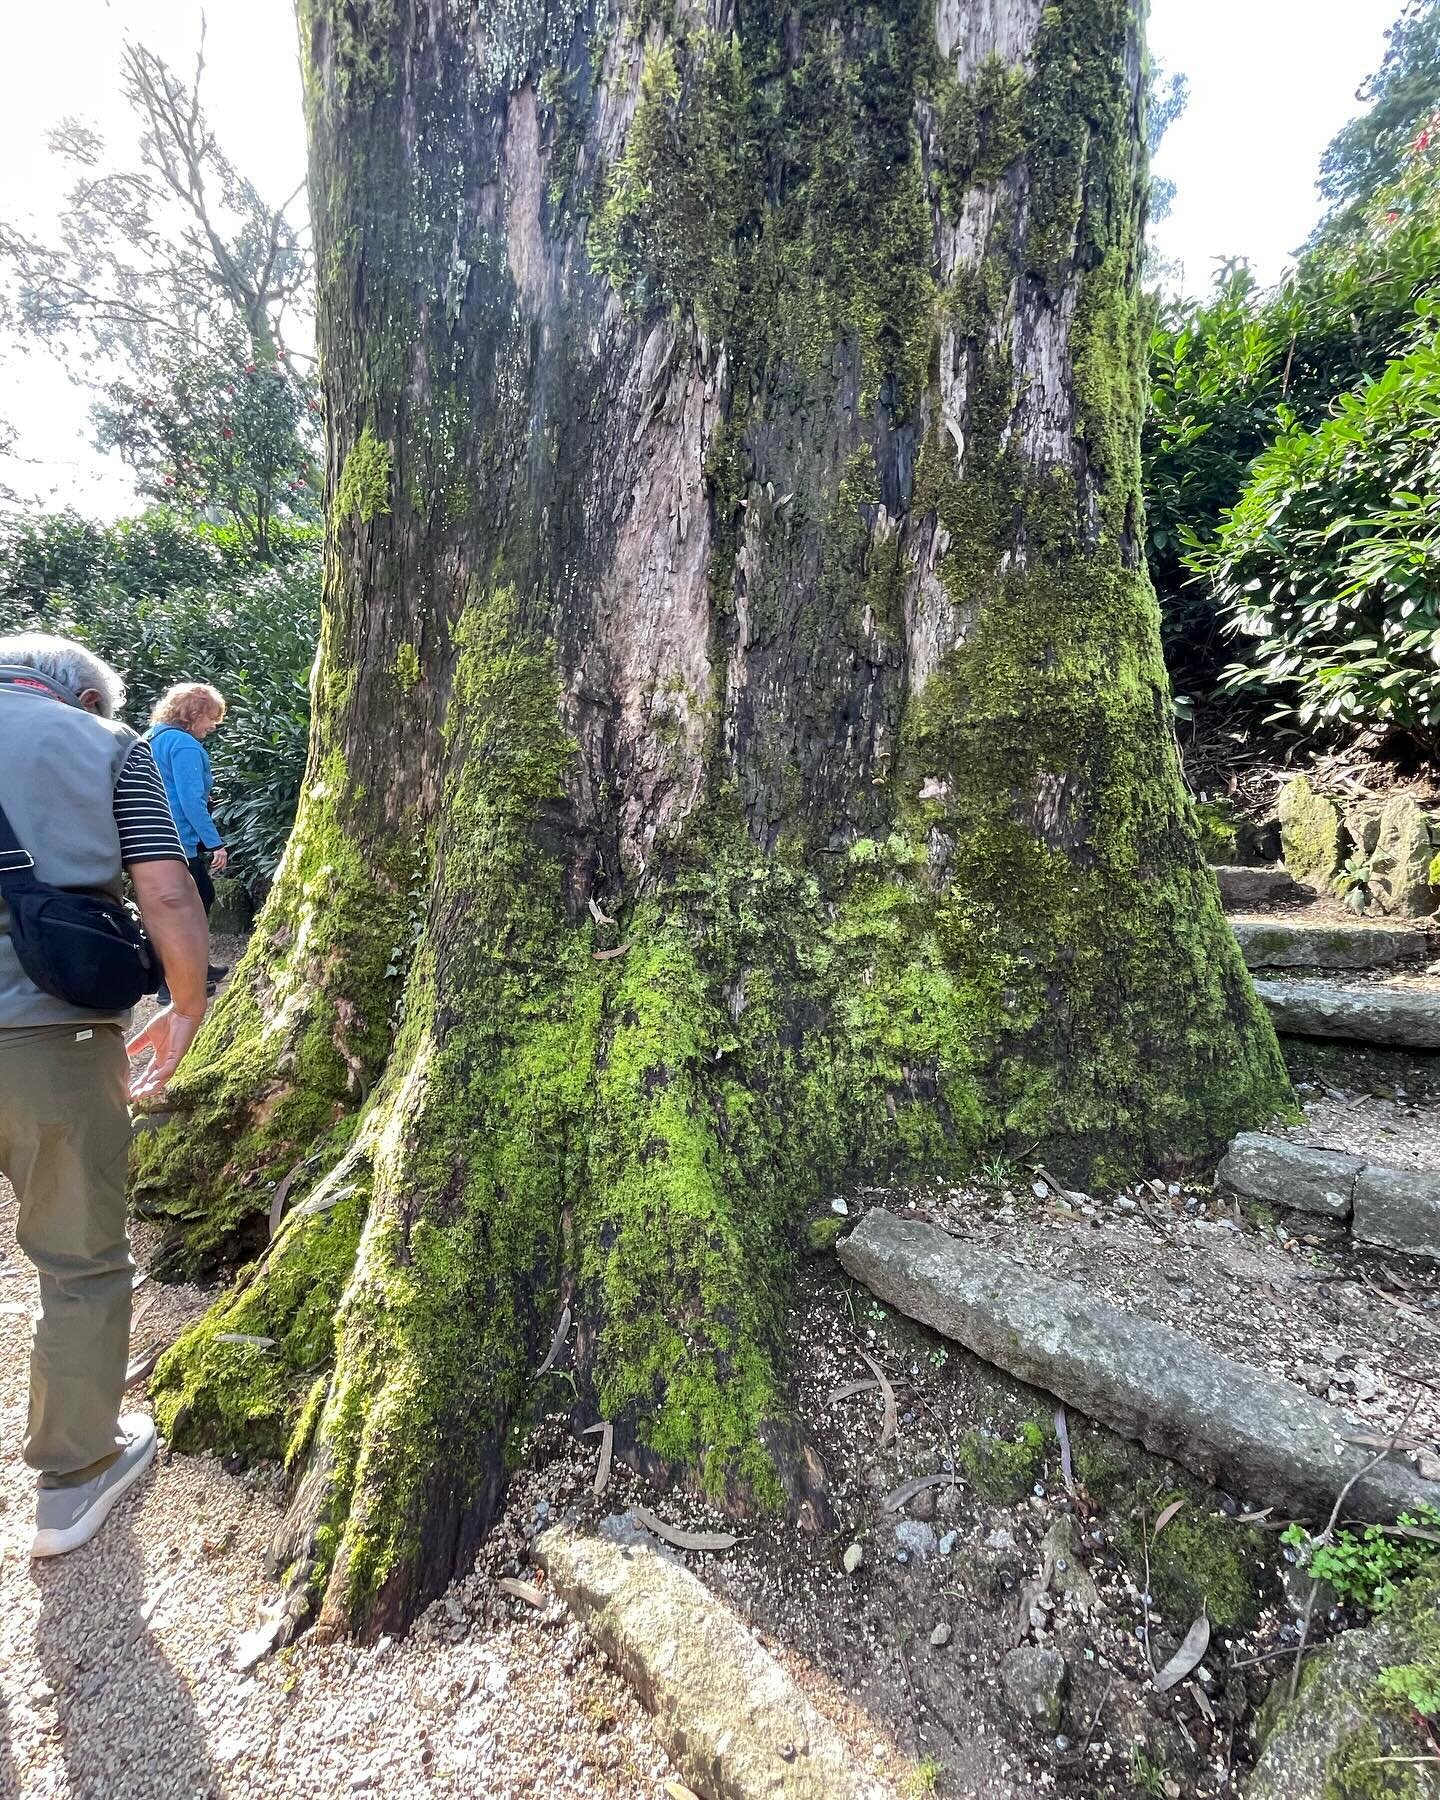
(87,949)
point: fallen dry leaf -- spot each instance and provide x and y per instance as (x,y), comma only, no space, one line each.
(143,1365)
(610,955)
(850,1389)
(1188,1657)
(607,1451)
(906,1492)
(1166,1516)
(683,1540)
(598,912)
(1067,1466)
(282,1191)
(252,1645)
(890,1429)
(521,1590)
(562,1331)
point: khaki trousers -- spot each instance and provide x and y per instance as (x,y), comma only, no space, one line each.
(64,1144)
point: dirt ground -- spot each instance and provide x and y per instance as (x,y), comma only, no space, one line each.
(119,1667)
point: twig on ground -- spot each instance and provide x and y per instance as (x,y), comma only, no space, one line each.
(1094,1722)
(1145,1597)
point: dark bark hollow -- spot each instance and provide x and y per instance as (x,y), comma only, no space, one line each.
(737,626)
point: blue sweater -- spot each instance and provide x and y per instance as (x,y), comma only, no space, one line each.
(184,765)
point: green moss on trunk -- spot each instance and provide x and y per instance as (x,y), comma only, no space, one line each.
(936,885)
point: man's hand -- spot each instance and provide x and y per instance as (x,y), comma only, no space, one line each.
(168,1036)
(219,860)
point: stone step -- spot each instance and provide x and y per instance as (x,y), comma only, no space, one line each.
(735,1723)
(1176,1396)
(1285,943)
(1241,887)
(1398,1018)
(1396,1209)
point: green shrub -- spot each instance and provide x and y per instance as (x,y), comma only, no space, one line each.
(1328,567)
(1223,369)
(1366,1568)
(164,600)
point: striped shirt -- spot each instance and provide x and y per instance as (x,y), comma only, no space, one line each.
(142,813)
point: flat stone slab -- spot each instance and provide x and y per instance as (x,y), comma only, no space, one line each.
(1400,1019)
(1173,1394)
(1399,1209)
(1259,887)
(1299,944)
(729,1717)
(1294,1175)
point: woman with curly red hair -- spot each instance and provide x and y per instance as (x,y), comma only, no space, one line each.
(182,718)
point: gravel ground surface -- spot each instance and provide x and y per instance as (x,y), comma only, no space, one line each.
(118,1674)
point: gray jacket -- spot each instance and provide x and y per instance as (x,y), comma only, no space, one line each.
(58,769)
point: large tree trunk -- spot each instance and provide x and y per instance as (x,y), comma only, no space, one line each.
(743,757)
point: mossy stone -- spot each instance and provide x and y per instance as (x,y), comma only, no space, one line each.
(1312,835)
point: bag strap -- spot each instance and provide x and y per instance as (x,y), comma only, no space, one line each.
(15,860)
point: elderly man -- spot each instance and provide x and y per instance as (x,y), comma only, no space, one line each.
(85,800)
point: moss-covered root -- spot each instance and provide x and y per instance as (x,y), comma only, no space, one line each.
(290,1049)
(244,1377)
(685,1243)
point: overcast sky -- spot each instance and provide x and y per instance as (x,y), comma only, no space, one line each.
(1271,80)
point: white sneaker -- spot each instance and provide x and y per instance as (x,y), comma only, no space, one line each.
(67,1517)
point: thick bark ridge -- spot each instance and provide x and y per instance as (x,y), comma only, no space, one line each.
(737,628)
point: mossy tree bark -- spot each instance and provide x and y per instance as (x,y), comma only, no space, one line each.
(737,633)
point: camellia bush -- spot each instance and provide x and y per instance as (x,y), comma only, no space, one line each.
(1327,570)
(1233,374)
(163,600)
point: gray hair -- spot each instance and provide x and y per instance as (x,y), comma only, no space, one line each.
(68,664)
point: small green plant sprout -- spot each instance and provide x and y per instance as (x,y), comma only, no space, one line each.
(1416,1685)
(1150,1776)
(1353,884)
(1367,1568)
(926,1778)
(999,1171)
(939,1356)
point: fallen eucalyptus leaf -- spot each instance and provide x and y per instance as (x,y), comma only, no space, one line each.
(1188,1657)
(610,955)
(851,1389)
(1166,1516)
(1067,1466)
(890,1429)
(562,1331)
(902,1496)
(252,1645)
(282,1192)
(521,1590)
(598,912)
(683,1540)
(607,1451)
